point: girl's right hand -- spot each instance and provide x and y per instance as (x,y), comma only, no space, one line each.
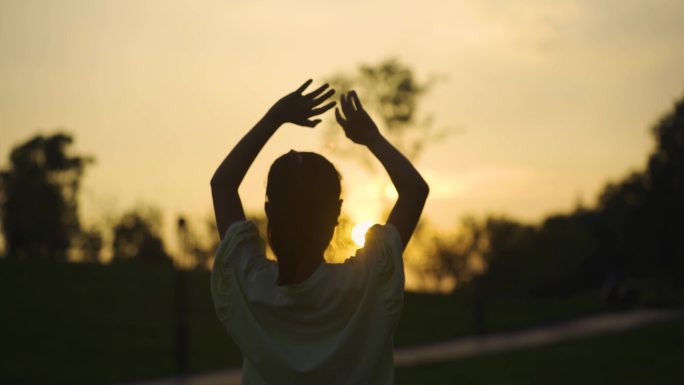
(298,108)
(357,124)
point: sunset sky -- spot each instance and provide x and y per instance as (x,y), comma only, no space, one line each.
(547,100)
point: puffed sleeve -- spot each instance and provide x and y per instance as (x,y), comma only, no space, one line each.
(240,244)
(383,250)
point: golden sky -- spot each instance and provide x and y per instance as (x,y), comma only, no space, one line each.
(548,99)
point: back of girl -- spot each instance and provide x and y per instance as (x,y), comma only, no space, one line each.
(300,320)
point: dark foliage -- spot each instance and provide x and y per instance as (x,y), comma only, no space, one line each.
(136,238)
(630,246)
(38,193)
(632,242)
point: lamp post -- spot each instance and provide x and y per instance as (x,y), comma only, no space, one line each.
(181,300)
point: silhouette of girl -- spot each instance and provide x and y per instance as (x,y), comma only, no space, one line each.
(302,320)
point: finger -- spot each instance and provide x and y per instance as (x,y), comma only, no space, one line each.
(357,102)
(303,86)
(321,98)
(320,110)
(339,117)
(346,106)
(317,91)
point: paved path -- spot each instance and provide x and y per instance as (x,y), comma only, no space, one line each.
(470,346)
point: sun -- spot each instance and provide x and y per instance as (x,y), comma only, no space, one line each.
(358,233)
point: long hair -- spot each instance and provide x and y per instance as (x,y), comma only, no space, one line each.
(302,193)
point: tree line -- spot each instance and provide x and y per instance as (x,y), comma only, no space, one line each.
(630,245)
(631,242)
(40,219)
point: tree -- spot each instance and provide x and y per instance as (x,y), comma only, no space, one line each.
(560,256)
(503,259)
(136,237)
(89,244)
(38,196)
(623,234)
(392,92)
(641,218)
(454,259)
(665,203)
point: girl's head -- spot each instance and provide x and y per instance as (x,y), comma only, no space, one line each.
(302,206)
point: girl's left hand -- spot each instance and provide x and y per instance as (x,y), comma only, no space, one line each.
(298,108)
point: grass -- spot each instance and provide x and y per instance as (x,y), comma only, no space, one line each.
(651,355)
(430,318)
(90,324)
(94,324)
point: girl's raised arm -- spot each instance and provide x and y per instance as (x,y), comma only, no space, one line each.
(411,187)
(294,108)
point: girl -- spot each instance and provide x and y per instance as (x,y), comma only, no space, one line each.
(302,320)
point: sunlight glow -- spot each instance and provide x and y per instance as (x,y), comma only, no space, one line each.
(390,192)
(358,232)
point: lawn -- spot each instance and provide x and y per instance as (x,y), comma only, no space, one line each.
(94,324)
(650,355)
